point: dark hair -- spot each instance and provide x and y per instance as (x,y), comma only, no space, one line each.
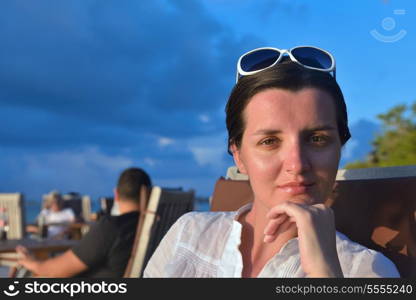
(130,182)
(286,75)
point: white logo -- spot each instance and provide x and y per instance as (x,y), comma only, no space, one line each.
(11,290)
(389,24)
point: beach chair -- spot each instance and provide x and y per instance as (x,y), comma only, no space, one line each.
(80,205)
(106,204)
(375,207)
(14,205)
(164,208)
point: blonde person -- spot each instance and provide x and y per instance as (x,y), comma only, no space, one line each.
(55,216)
(287,122)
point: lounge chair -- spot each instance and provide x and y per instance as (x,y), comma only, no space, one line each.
(106,204)
(375,207)
(14,204)
(164,208)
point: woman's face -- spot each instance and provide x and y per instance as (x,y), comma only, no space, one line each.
(290,147)
(55,206)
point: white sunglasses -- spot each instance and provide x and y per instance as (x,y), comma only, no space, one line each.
(260,59)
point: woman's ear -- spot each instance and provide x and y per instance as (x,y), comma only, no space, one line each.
(238,159)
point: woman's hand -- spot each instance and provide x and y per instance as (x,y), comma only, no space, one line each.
(316,233)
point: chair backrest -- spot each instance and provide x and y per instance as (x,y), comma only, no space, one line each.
(14,204)
(86,208)
(74,202)
(106,203)
(375,207)
(230,195)
(234,174)
(164,208)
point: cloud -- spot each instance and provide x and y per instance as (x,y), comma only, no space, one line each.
(271,8)
(164,141)
(88,87)
(210,151)
(360,145)
(349,148)
(206,155)
(150,162)
(204,118)
(88,170)
(126,65)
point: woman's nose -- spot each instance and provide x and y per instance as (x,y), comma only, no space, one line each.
(296,160)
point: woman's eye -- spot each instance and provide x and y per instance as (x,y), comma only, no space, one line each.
(319,139)
(269,141)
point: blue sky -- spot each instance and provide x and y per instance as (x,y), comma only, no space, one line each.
(88,88)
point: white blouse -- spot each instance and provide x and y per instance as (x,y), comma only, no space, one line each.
(206,244)
(65,215)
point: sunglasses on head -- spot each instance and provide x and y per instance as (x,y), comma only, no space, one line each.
(260,59)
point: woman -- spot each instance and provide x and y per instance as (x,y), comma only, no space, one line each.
(54,216)
(286,121)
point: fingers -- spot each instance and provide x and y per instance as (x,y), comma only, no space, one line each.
(298,212)
(288,214)
(288,208)
(272,226)
(285,225)
(315,226)
(24,253)
(279,222)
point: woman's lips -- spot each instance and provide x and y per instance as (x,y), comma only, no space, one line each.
(296,188)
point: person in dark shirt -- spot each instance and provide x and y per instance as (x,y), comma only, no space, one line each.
(105,250)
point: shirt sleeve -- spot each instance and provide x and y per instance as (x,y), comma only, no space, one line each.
(165,251)
(69,215)
(94,247)
(43,213)
(375,265)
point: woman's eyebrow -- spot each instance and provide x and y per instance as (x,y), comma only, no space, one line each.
(322,128)
(267,132)
(277,131)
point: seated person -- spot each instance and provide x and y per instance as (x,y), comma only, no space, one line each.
(105,250)
(287,122)
(55,216)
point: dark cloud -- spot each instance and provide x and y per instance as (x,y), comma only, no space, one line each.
(140,65)
(89,87)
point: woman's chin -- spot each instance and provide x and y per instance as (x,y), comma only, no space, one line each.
(303,199)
